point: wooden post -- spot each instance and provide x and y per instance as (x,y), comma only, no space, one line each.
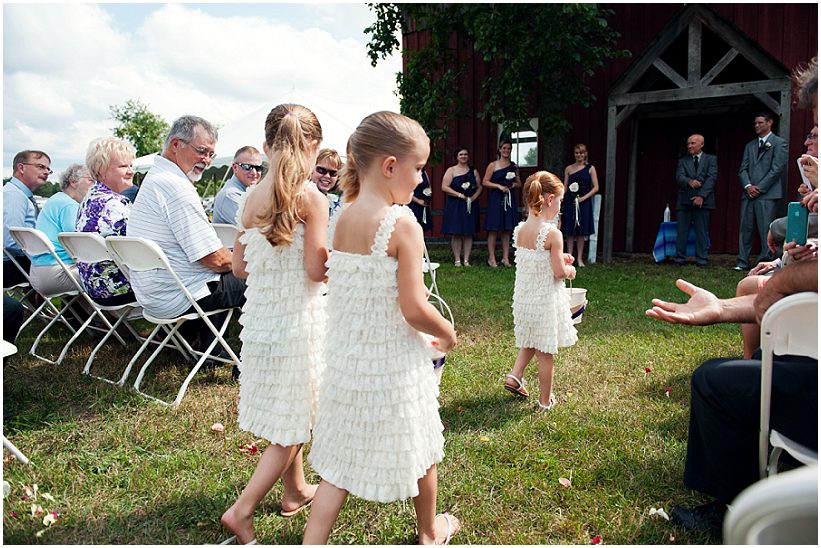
(784,133)
(610,182)
(631,188)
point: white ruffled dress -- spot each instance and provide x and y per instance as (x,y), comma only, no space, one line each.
(378,428)
(541,307)
(283,331)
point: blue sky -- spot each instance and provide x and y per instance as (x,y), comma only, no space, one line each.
(225,62)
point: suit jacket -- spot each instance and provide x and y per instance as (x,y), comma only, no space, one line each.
(707,172)
(764,171)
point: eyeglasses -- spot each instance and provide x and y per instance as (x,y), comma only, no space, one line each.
(811,137)
(249,167)
(39,166)
(202,151)
(325,171)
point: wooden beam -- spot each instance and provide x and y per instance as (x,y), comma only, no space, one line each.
(718,67)
(610,186)
(631,188)
(771,103)
(670,73)
(723,90)
(694,52)
(625,113)
(784,132)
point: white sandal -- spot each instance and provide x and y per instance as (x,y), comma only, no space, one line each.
(550,405)
(233,540)
(519,389)
(452,529)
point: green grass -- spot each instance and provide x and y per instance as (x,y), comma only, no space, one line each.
(124,470)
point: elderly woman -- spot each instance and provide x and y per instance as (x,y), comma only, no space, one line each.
(58,215)
(105,211)
(326,176)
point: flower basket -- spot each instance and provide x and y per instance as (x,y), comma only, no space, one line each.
(578,302)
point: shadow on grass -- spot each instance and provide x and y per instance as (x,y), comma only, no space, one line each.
(486,413)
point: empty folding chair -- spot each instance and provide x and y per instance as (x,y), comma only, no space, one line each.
(140,255)
(226,233)
(89,247)
(34,242)
(789,327)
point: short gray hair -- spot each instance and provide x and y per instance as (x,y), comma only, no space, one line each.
(73,174)
(806,83)
(184,126)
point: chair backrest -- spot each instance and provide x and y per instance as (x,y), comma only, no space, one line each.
(85,247)
(790,326)
(32,241)
(226,233)
(781,509)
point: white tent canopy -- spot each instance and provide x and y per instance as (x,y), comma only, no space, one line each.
(338,121)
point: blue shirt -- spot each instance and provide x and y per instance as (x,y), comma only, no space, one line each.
(227,200)
(17,211)
(58,215)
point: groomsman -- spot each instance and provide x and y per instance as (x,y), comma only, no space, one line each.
(696,178)
(763,163)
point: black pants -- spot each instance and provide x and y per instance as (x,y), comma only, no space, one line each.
(722,447)
(11,274)
(227,292)
(12,318)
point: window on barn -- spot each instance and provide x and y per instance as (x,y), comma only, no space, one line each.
(525,143)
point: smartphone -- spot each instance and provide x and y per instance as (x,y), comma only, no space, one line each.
(797,219)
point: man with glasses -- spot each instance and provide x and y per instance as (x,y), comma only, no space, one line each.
(170,213)
(30,171)
(247,168)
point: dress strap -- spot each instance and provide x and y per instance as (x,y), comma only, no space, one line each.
(516,234)
(542,236)
(386,226)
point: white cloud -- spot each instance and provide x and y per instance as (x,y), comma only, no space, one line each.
(180,59)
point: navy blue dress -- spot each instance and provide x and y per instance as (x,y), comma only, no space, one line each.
(422,213)
(501,216)
(457,219)
(585,226)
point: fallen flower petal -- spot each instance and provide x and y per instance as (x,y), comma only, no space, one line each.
(12,514)
(647,371)
(36,510)
(47,496)
(667,392)
(39,533)
(659,512)
(28,492)
(595,540)
(217,427)
(565,482)
(50,518)
(484,439)
(672,537)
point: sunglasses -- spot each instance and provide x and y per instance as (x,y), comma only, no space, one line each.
(249,167)
(325,171)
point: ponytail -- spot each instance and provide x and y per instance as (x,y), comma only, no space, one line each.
(349,176)
(539,184)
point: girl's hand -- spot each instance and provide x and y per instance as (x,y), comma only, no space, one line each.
(445,344)
(568,258)
(571,272)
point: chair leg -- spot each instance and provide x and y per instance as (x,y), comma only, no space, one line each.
(59,316)
(148,341)
(87,367)
(14,451)
(148,362)
(772,463)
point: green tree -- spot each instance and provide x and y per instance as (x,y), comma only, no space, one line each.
(536,54)
(141,127)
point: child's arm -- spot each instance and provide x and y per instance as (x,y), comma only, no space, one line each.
(238,263)
(561,270)
(315,213)
(407,245)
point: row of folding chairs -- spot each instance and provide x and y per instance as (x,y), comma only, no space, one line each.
(131,254)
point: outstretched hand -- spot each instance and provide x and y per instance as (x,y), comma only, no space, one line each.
(703,308)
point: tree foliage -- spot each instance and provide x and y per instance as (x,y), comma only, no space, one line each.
(536,54)
(139,126)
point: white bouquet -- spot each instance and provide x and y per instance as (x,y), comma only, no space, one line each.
(426,191)
(510,176)
(574,187)
(466,185)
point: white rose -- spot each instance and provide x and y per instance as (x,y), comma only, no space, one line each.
(574,187)
(465,185)
(426,191)
(510,176)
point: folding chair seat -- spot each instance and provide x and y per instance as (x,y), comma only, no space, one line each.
(227,234)
(789,327)
(89,247)
(34,242)
(141,255)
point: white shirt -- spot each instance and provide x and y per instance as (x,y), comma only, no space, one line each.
(169,212)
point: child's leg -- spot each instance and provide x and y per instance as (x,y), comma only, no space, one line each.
(467,248)
(580,247)
(425,505)
(324,511)
(545,376)
(239,519)
(506,248)
(296,491)
(522,359)
(491,248)
(456,247)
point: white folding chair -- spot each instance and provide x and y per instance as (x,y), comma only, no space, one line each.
(789,327)
(782,509)
(7,350)
(141,255)
(226,233)
(89,247)
(34,242)
(25,294)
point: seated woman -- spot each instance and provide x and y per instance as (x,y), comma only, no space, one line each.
(58,215)
(105,211)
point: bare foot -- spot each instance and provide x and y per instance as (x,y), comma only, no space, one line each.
(240,525)
(292,505)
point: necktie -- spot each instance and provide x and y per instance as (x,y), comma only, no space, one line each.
(760,146)
(695,163)
(36,207)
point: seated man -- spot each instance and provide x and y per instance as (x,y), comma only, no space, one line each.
(170,213)
(722,444)
(247,168)
(30,171)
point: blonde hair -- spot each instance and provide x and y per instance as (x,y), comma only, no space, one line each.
(539,184)
(101,152)
(330,155)
(290,132)
(382,133)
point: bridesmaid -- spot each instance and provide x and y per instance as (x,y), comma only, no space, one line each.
(420,202)
(461,185)
(501,177)
(578,222)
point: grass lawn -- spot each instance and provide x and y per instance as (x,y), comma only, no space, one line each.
(123,470)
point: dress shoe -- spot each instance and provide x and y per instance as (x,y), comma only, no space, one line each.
(707,518)
(740,268)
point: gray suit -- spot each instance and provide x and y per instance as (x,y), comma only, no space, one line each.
(687,213)
(764,170)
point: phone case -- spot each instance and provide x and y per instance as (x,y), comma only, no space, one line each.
(797,220)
